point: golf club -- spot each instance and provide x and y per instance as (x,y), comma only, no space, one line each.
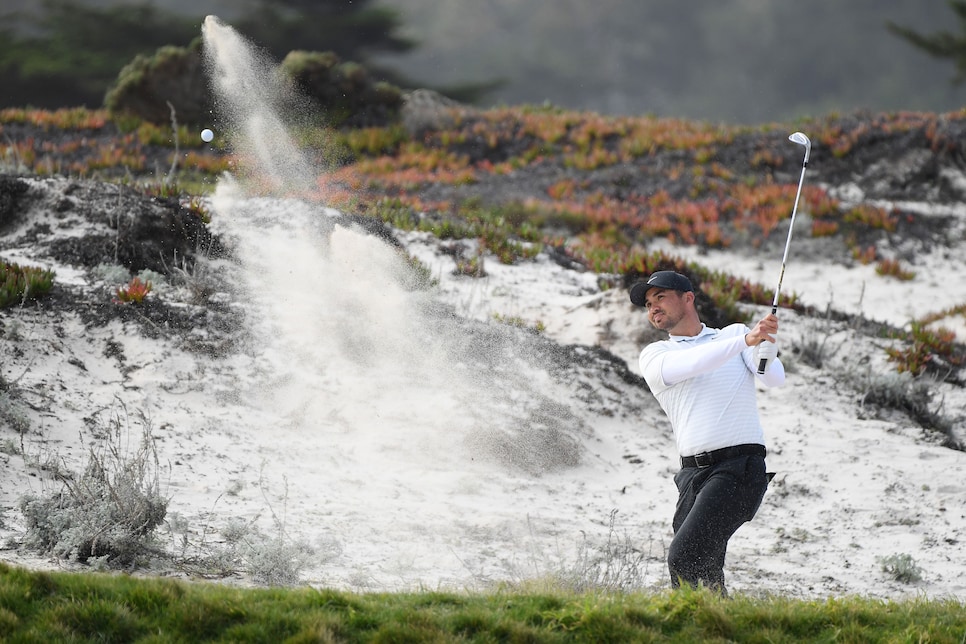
(800,139)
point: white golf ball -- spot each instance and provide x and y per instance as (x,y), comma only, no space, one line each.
(207,135)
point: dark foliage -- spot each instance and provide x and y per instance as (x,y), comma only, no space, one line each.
(173,78)
(942,44)
(69,53)
(345,92)
(11,190)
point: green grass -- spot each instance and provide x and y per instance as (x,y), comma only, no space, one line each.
(42,606)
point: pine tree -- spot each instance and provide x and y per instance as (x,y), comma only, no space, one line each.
(352,30)
(942,44)
(69,52)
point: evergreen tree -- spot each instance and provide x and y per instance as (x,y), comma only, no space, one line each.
(942,44)
(351,29)
(68,53)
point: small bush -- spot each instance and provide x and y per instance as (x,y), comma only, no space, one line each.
(276,561)
(198,276)
(617,565)
(902,568)
(109,512)
(154,278)
(12,413)
(148,84)
(905,393)
(343,90)
(112,273)
(811,350)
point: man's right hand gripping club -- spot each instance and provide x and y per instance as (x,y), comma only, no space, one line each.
(763,338)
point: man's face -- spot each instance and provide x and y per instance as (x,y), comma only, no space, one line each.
(665,308)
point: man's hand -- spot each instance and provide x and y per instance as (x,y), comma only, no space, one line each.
(763,338)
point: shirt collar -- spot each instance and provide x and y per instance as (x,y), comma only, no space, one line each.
(705,330)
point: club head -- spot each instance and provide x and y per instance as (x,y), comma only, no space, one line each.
(801,139)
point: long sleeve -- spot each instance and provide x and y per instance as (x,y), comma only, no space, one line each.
(694,361)
(665,364)
(774,375)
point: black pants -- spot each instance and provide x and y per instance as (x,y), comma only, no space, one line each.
(713,502)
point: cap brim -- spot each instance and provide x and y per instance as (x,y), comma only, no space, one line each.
(638,293)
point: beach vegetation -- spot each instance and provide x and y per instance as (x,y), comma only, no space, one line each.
(107,514)
(133,292)
(902,568)
(21,284)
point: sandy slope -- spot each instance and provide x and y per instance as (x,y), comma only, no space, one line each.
(400,471)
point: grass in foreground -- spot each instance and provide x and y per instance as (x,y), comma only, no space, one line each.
(39,606)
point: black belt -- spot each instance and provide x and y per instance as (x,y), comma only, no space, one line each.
(707,459)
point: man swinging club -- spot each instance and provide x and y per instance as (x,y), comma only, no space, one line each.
(704,379)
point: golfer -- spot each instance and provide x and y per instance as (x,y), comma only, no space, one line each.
(704,379)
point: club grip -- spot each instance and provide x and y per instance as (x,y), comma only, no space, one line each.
(761,366)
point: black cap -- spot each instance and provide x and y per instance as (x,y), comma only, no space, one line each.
(660,279)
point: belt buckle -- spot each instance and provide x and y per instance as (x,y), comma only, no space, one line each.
(704,459)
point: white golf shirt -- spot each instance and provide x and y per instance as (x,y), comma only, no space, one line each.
(706,386)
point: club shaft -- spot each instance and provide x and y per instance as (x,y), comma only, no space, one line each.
(788,242)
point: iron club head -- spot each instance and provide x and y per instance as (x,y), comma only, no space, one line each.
(801,139)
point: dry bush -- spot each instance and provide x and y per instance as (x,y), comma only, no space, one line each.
(617,564)
(901,568)
(107,513)
(908,394)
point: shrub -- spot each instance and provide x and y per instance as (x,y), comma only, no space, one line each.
(12,413)
(902,568)
(277,561)
(343,90)
(616,565)
(112,273)
(147,84)
(811,349)
(19,284)
(905,393)
(109,512)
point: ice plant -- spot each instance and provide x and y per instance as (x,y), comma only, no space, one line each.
(135,291)
(23,283)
